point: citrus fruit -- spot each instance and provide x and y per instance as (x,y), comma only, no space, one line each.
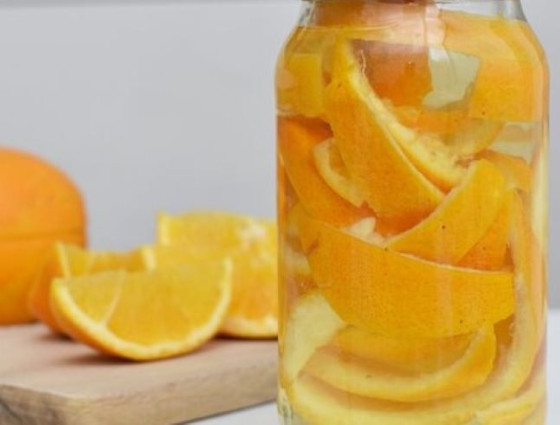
(311,324)
(297,140)
(39,205)
(400,355)
(145,315)
(460,221)
(252,245)
(474,136)
(375,288)
(71,261)
(333,171)
(370,380)
(364,129)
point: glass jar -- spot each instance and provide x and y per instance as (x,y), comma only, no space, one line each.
(412,191)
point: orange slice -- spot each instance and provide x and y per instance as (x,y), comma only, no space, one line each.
(297,140)
(401,355)
(366,379)
(517,171)
(311,324)
(332,169)
(375,289)
(489,253)
(253,248)
(363,129)
(460,221)
(72,261)
(145,316)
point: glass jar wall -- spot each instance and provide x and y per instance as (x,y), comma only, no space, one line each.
(412,192)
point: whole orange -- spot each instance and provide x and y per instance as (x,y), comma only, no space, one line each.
(39,205)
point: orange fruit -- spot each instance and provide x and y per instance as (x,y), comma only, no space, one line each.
(370,380)
(375,288)
(71,261)
(42,208)
(253,248)
(460,221)
(364,129)
(489,253)
(146,315)
(474,136)
(400,355)
(297,139)
(333,171)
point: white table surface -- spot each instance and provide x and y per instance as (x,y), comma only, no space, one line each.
(266,414)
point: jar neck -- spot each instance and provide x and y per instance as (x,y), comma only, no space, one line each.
(359,12)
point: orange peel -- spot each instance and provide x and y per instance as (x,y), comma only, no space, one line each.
(460,221)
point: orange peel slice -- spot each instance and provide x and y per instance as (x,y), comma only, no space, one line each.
(332,169)
(517,171)
(297,139)
(401,355)
(489,253)
(375,288)
(311,324)
(364,129)
(460,221)
(357,377)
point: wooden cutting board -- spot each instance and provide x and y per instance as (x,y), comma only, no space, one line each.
(46,380)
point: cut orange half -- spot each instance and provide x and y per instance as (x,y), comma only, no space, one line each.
(460,221)
(72,261)
(148,315)
(253,248)
(375,288)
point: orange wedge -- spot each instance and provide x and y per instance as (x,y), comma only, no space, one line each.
(460,221)
(517,171)
(369,380)
(332,169)
(145,316)
(311,324)
(375,289)
(364,132)
(72,261)
(253,248)
(297,140)
(401,355)
(489,253)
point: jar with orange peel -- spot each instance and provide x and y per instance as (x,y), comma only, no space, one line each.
(412,164)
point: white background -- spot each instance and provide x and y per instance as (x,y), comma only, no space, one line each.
(168,105)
